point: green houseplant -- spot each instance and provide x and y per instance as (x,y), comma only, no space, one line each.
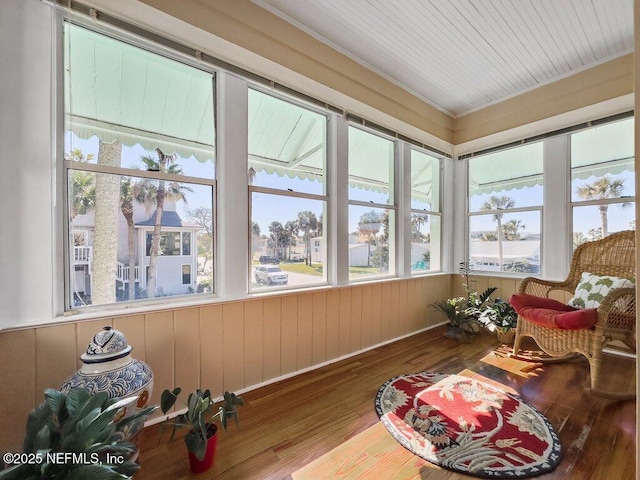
(76,435)
(500,317)
(199,419)
(464,312)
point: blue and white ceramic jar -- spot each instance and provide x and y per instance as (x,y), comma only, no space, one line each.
(107,366)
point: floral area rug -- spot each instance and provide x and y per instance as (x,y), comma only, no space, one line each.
(466,425)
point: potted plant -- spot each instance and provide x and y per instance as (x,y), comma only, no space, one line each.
(77,435)
(463,313)
(500,317)
(199,419)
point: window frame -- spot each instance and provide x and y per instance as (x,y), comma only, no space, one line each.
(290,193)
(132,40)
(393,205)
(575,204)
(478,213)
(436,213)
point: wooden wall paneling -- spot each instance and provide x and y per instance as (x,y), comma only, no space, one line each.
(319,336)
(366,316)
(19,394)
(508,286)
(438,288)
(480,283)
(423,301)
(289,340)
(305,331)
(385,312)
(345,320)
(253,341)
(85,333)
(211,351)
(333,324)
(160,351)
(355,335)
(412,314)
(55,355)
(457,288)
(403,307)
(133,327)
(187,345)
(394,311)
(376,313)
(271,334)
(233,346)
(418,303)
(443,288)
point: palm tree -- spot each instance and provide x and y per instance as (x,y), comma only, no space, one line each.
(512,229)
(105,233)
(308,223)
(417,220)
(369,226)
(276,229)
(83,185)
(601,189)
(498,203)
(159,191)
(83,191)
(291,229)
(131,192)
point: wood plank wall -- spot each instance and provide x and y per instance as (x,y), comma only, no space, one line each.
(226,346)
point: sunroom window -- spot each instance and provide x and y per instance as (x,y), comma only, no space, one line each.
(505,206)
(139,145)
(426,216)
(287,145)
(372,204)
(602,180)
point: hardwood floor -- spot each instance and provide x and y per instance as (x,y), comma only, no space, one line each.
(287,425)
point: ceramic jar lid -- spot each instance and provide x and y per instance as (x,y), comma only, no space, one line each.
(107,345)
(107,366)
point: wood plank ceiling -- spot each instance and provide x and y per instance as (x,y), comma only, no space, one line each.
(463,55)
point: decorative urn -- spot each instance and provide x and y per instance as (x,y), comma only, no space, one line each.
(107,366)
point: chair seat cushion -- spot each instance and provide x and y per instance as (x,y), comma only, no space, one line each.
(551,313)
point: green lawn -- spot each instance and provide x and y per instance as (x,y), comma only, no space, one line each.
(302,268)
(364,271)
(317,269)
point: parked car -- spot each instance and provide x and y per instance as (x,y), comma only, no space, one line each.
(271,275)
(267,259)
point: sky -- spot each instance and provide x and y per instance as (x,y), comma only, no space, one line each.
(284,209)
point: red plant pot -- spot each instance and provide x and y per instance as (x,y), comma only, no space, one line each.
(200,466)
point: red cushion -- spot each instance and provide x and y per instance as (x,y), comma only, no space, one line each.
(552,313)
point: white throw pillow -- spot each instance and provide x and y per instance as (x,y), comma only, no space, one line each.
(592,289)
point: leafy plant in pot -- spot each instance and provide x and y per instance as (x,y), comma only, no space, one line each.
(76,435)
(199,419)
(464,312)
(500,317)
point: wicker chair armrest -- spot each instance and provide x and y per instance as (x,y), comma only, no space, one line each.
(618,310)
(541,288)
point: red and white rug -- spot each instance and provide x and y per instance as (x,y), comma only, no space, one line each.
(469,426)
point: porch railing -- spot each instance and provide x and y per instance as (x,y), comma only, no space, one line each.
(82,254)
(122,273)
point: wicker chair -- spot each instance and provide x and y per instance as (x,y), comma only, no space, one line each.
(616,316)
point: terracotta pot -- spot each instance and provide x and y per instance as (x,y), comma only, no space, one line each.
(200,466)
(507,337)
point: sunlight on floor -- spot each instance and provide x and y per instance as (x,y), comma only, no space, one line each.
(371,454)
